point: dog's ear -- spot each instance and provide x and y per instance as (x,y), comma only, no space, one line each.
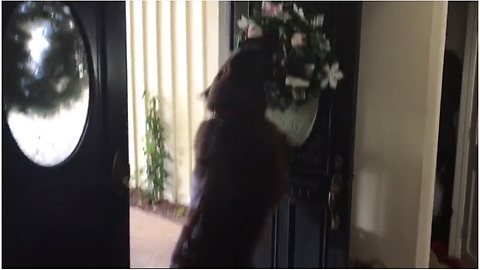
(205,93)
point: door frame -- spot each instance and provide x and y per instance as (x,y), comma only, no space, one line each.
(225,26)
(464,123)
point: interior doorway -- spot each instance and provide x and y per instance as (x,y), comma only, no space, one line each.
(456,142)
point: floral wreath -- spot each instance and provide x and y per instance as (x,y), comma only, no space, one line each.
(304,62)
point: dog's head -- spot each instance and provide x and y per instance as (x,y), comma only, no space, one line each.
(239,84)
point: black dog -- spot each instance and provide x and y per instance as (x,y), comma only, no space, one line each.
(242,162)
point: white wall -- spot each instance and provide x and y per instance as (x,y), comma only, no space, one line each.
(173,52)
(401,59)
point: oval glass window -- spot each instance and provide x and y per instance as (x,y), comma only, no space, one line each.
(45,81)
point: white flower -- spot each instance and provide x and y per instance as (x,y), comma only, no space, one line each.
(296,82)
(325,45)
(284,16)
(299,11)
(318,21)
(243,23)
(298,39)
(254,30)
(309,68)
(333,75)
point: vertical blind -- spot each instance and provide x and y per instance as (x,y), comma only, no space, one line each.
(173,53)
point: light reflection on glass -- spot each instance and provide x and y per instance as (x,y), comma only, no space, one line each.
(52,62)
(38,43)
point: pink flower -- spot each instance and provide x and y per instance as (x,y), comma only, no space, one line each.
(299,39)
(254,30)
(271,10)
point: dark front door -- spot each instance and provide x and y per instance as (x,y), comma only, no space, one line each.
(64,135)
(311,227)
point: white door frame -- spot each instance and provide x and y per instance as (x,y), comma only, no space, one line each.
(464,123)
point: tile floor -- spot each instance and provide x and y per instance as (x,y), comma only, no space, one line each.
(152,239)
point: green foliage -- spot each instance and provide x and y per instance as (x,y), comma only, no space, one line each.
(181,211)
(291,61)
(154,150)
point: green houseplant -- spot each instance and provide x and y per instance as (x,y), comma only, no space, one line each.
(157,155)
(154,150)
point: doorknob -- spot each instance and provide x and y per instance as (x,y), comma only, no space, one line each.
(335,190)
(120,172)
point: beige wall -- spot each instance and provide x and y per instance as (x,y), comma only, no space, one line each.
(401,58)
